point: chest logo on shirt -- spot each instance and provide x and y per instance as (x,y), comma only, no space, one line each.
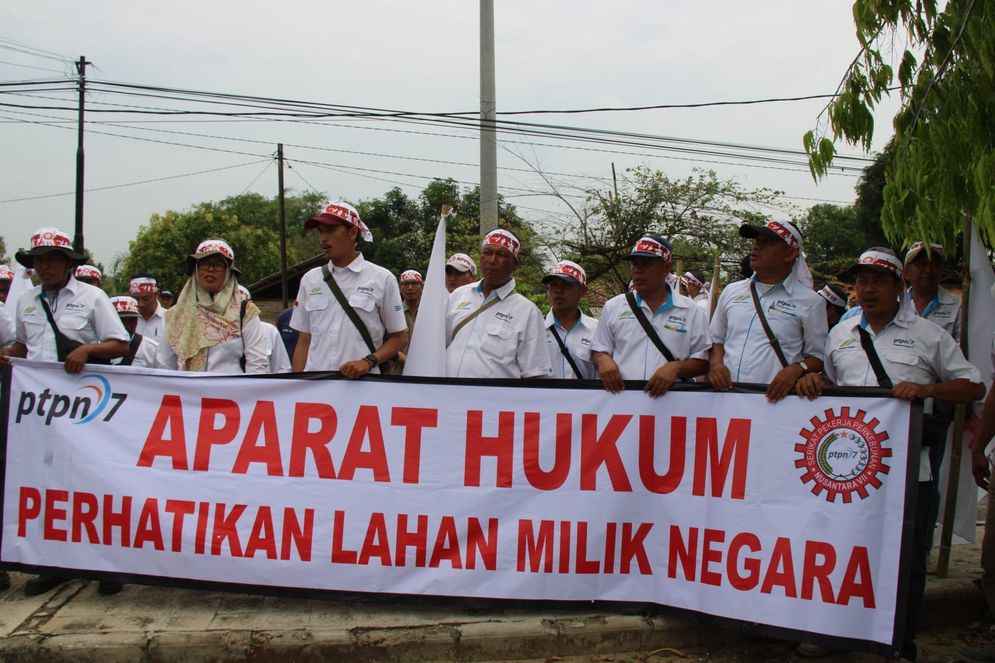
(585,341)
(507,317)
(739,299)
(627,314)
(782,306)
(365,289)
(462,306)
(316,290)
(843,454)
(904,342)
(847,344)
(73,306)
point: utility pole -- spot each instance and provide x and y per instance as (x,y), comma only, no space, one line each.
(78,244)
(488,115)
(283,225)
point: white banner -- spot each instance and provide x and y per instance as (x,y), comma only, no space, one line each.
(790,515)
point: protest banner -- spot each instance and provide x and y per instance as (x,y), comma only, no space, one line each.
(789,515)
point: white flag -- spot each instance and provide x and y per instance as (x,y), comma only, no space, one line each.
(427,350)
(981,320)
(980,326)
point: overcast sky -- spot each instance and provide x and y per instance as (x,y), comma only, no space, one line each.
(423,56)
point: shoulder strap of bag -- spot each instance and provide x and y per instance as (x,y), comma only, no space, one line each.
(349,310)
(566,353)
(872,356)
(136,341)
(60,338)
(774,343)
(241,325)
(648,328)
(467,319)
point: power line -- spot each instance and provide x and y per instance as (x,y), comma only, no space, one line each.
(314,110)
(136,183)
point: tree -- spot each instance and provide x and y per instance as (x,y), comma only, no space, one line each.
(404,229)
(248,222)
(701,215)
(943,162)
(833,239)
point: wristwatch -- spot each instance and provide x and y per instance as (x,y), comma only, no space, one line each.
(372,358)
(804,366)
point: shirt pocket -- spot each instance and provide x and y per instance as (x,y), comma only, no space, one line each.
(73,324)
(498,341)
(583,353)
(908,361)
(362,302)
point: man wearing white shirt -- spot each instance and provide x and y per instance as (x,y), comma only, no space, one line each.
(569,332)
(936,304)
(919,361)
(329,340)
(796,315)
(142,351)
(151,321)
(279,360)
(81,315)
(494,332)
(623,350)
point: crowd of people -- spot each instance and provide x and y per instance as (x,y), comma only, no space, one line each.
(772,328)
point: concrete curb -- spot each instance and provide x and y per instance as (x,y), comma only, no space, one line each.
(160,625)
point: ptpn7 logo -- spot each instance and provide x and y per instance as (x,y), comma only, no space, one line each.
(92,399)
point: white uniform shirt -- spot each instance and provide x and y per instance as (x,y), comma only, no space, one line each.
(943,311)
(911,351)
(225,357)
(796,315)
(83,312)
(147,355)
(507,340)
(370,289)
(279,361)
(6,328)
(578,342)
(679,322)
(155,326)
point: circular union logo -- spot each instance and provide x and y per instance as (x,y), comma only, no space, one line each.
(842,454)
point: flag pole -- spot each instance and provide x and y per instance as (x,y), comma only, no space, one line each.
(957,441)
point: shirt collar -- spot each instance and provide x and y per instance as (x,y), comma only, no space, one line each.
(502,292)
(679,301)
(788,283)
(355,266)
(551,320)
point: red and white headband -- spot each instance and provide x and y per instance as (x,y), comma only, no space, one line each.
(501,237)
(650,246)
(211,246)
(691,278)
(125,305)
(569,269)
(919,247)
(411,276)
(348,214)
(143,284)
(785,231)
(831,297)
(51,237)
(88,272)
(882,261)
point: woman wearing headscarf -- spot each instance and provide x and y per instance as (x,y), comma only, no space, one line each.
(212,327)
